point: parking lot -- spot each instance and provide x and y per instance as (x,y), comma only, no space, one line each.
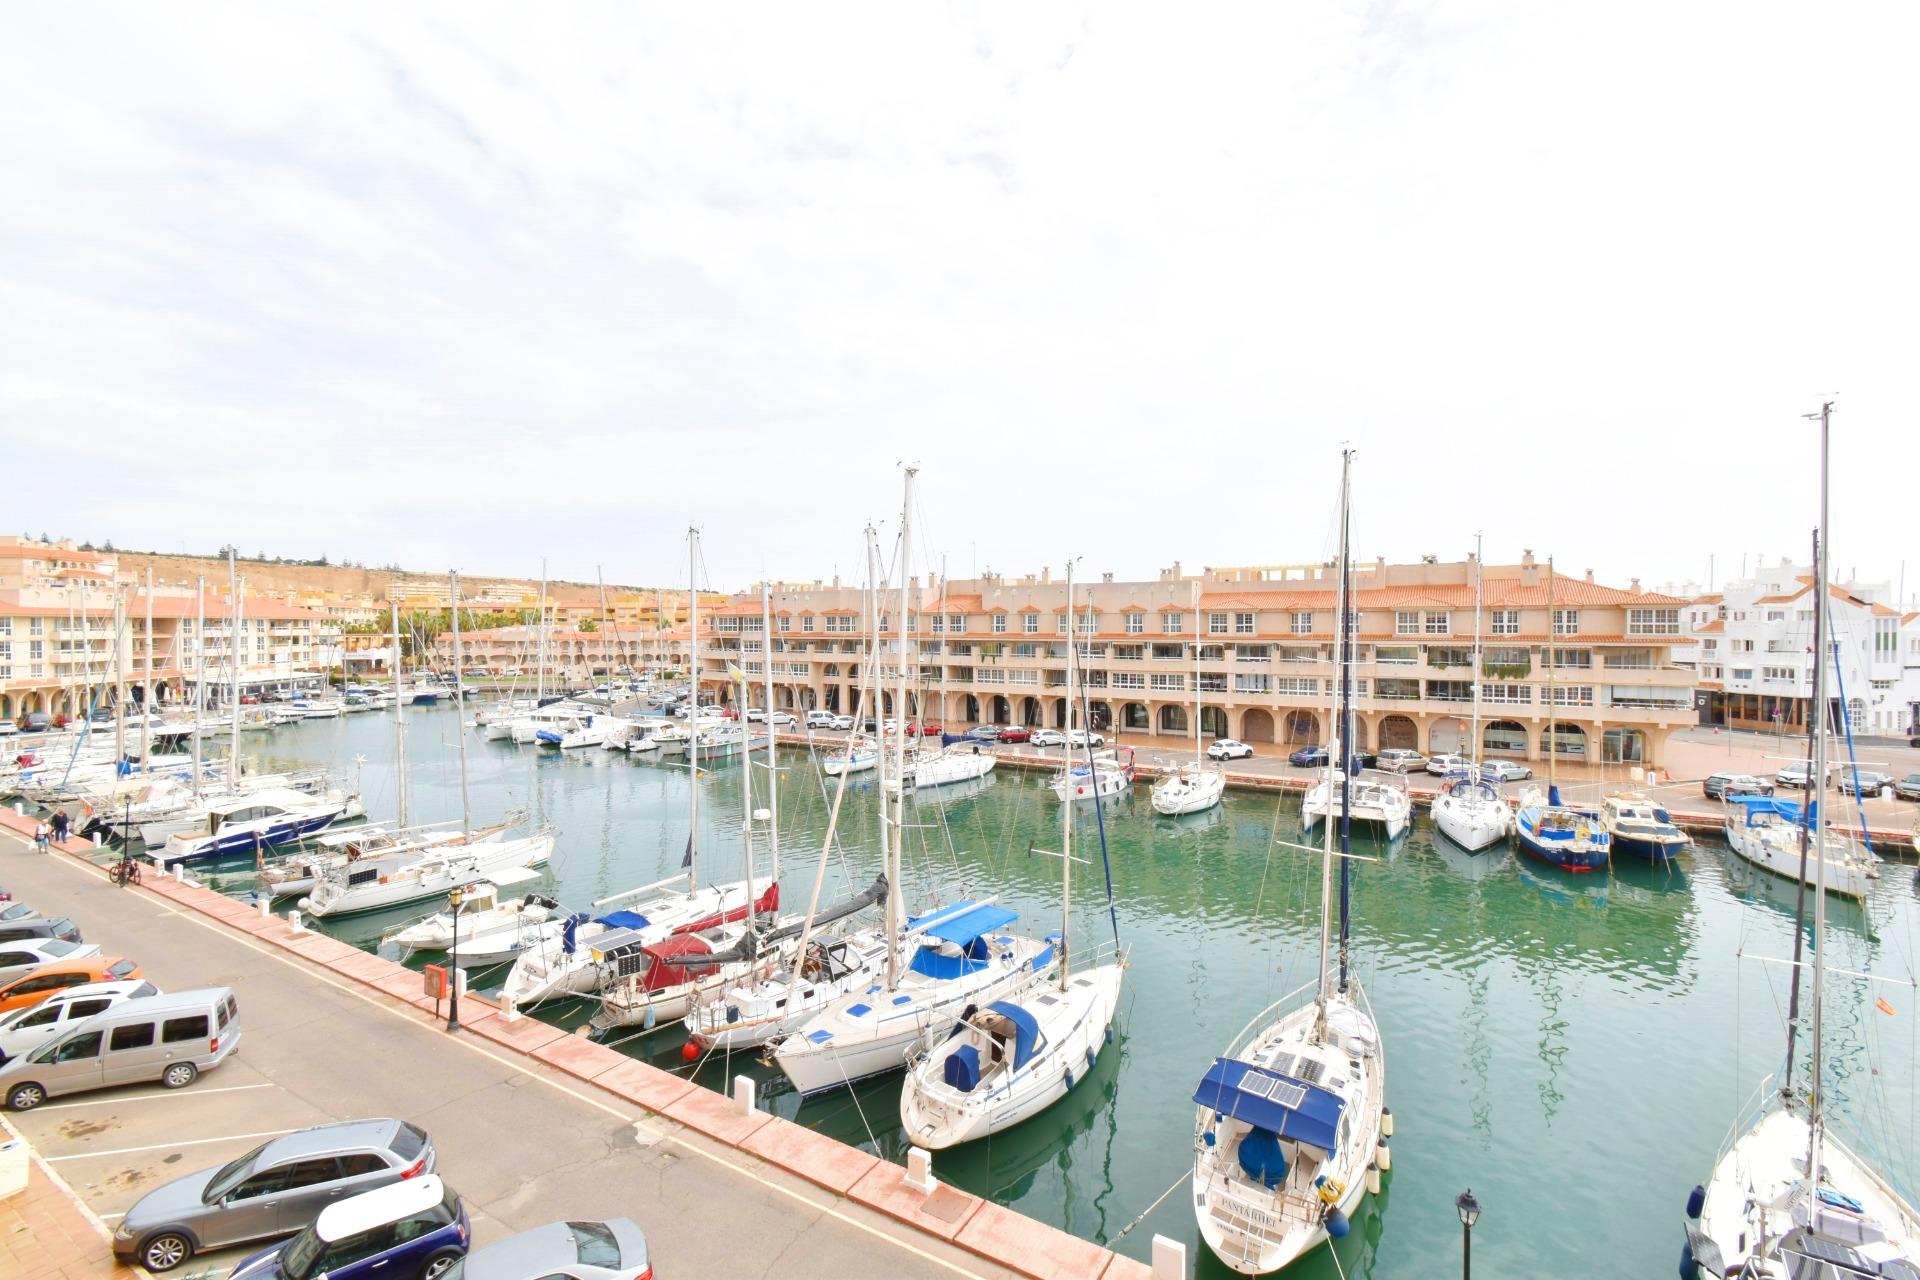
(522,1144)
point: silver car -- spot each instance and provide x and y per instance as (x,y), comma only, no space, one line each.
(274,1190)
(612,1250)
(24,956)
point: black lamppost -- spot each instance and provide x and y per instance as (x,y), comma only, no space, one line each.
(453,964)
(1469,1214)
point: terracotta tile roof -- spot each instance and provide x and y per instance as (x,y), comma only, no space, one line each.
(1714,628)
(963,604)
(1498,593)
(1714,597)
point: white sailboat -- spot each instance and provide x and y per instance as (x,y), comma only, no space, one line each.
(1470,811)
(1788,1200)
(1108,772)
(1289,1118)
(483,913)
(1377,803)
(1195,787)
(1014,1057)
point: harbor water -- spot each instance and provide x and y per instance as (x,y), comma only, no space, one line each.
(1573,1048)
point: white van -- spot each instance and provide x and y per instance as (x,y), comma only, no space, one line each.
(166,1038)
(24,1030)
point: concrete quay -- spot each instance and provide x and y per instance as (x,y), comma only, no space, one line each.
(532,1124)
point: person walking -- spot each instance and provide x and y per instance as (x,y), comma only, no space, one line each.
(60,824)
(40,833)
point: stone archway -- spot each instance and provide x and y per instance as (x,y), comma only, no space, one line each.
(1446,736)
(1002,711)
(1030,711)
(1568,740)
(1300,729)
(1213,722)
(1060,711)
(970,708)
(1173,719)
(1134,717)
(1256,725)
(1101,713)
(1504,738)
(1399,733)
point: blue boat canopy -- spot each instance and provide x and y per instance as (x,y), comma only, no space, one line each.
(624,920)
(1026,1032)
(1792,810)
(963,922)
(1268,1100)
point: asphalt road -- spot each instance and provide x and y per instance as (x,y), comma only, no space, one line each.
(523,1145)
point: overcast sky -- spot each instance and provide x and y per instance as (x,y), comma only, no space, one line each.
(468,286)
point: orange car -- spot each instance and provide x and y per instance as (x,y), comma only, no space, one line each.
(36,985)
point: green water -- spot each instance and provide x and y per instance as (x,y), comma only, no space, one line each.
(1574,1048)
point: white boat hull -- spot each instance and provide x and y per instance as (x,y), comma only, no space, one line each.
(1778,852)
(1189,792)
(437,875)
(1471,825)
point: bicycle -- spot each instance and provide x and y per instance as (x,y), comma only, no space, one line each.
(125,872)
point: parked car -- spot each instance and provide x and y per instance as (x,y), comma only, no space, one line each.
(1400,759)
(1228,749)
(27,1028)
(58,975)
(612,1250)
(1016,733)
(39,927)
(1307,757)
(843,722)
(820,719)
(1046,738)
(12,911)
(1364,760)
(1720,786)
(756,714)
(1505,771)
(923,729)
(1868,782)
(20,958)
(1796,775)
(1085,738)
(271,1191)
(36,722)
(1445,763)
(168,1038)
(984,733)
(407,1229)
(781,717)
(1908,788)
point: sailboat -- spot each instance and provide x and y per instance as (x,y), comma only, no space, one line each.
(1561,835)
(937,963)
(1470,811)
(945,766)
(1788,1200)
(1196,787)
(1290,1117)
(1013,1058)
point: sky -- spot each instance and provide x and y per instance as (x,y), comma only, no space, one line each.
(470,285)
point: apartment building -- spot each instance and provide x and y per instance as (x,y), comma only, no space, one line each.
(70,634)
(1751,648)
(570,653)
(994,649)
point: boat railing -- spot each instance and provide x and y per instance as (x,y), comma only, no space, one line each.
(1259,1020)
(1749,1114)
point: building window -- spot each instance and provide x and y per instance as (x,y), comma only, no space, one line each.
(1438,624)
(1030,623)
(1578,659)
(956,622)
(939,623)
(1136,623)
(1406,622)
(1571,695)
(786,623)
(1128,680)
(1302,622)
(1506,622)
(1243,624)
(1244,682)
(1251,653)
(1086,621)
(1566,622)
(1743,673)
(806,623)
(1398,654)
(1653,622)
(1217,624)
(1171,681)
(1173,622)
(999,624)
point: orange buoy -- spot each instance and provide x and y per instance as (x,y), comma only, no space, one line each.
(689,1051)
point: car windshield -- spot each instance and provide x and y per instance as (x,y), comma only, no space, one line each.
(18,911)
(595,1243)
(56,948)
(228,1175)
(300,1253)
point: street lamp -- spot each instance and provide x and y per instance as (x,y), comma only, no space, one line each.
(453,964)
(1469,1214)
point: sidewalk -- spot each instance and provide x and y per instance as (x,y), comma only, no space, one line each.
(46,1232)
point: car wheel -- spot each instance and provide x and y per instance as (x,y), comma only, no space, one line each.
(165,1251)
(25,1097)
(180,1075)
(437,1265)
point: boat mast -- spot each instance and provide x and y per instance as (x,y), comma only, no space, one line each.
(235,587)
(1066,810)
(540,642)
(146,687)
(1479,573)
(1553,721)
(119,675)
(1326,831)
(942,654)
(773,764)
(693,713)
(1800,898)
(460,701)
(400,721)
(199,672)
(895,923)
(1816,791)
(1198,759)
(1346,710)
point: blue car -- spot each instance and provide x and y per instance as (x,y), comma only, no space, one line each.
(411,1230)
(1307,756)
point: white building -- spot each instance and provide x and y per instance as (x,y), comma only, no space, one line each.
(1752,646)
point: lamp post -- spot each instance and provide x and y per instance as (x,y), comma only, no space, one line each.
(1469,1214)
(453,964)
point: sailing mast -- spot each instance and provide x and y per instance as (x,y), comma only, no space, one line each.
(1066,810)
(146,686)
(895,913)
(236,588)
(1553,661)
(693,711)
(540,642)
(773,766)
(1326,834)
(1816,803)
(119,675)
(199,672)
(400,722)
(1345,672)
(460,701)
(1479,573)
(1199,760)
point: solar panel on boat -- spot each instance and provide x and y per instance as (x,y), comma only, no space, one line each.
(1287,1095)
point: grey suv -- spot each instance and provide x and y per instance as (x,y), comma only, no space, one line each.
(274,1190)
(40,927)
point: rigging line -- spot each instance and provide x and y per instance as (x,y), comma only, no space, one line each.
(1186,1175)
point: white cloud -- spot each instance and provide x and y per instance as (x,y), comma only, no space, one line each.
(469,285)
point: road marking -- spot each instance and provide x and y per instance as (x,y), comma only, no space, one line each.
(148,1097)
(168,1146)
(519,1068)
